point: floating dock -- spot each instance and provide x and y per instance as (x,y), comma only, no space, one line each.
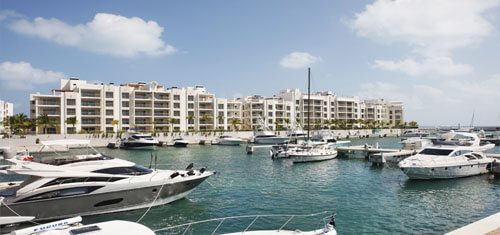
(488,225)
(251,148)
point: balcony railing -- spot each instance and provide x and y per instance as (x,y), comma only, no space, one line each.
(143,114)
(162,97)
(49,113)
(91,95)
(91,104)
(144,97)
(48,103)
(161,106)
(161,114)
(90,123)
(142,106)
(143,123)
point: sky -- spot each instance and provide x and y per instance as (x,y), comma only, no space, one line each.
(440,57)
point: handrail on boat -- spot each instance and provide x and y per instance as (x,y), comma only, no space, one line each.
(239,217)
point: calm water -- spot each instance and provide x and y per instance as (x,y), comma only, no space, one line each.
(365,199)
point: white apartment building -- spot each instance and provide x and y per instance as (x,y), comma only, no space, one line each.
(150,106)
(6,110)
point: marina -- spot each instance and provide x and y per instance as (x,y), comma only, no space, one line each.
(255,184)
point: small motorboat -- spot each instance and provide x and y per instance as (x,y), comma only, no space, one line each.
(180,142)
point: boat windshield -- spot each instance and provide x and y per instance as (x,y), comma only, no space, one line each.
(440,152)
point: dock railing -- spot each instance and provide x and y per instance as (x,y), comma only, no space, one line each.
(256,217)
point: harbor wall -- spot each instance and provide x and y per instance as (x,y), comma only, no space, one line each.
(29,142)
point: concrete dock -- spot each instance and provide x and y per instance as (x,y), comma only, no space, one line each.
(489,225)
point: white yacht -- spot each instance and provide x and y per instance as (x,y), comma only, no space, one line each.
(137,140)
(297,134)
(449,159)
(66,186)
(74,226)
(414,133)
(415,143)
(268,137)
(228,140)
(327,138)
(312,153)
(327,229)
(180,142)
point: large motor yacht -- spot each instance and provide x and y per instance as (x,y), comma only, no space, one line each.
(137,140)
(229,140)
(449,159)
(268,137)
(66,186)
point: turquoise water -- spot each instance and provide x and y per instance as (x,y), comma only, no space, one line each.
(366,199)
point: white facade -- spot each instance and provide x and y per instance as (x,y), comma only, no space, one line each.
(6,110)
(150,106)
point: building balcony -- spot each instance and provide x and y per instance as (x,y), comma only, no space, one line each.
(206,107)
(50,113)
(143,97)
(143,114)
(143,123)
(206,100)
(90,123)
(85,104)
(161,114)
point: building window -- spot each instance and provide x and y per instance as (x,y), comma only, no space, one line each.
(109,112)
(297,102)
(221,106)
(288,108)
(190,98)
(221,114)
(177,97)
(270,121)
(177,113)
(177,105)
(125,112)
(109,129)
(109,103)
(109,94)
(71,102)
(270,114)
(270,107)
(125,104)
(190,106)
(109,120)
(70,111)
(125,95)
(125,121)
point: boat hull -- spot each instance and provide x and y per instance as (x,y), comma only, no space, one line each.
(271,140)
(102,203)
(302,158)
(448,172)
(230,142)
(180,144)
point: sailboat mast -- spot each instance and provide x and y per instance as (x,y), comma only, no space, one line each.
(308,102)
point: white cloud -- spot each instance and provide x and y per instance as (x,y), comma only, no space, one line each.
(106,33)
(297,60)
(22,76)
(433,28)
(439,65)
(6,14)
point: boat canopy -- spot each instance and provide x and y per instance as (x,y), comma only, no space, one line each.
(65,142)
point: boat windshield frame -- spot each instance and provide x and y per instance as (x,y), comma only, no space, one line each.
(436,152)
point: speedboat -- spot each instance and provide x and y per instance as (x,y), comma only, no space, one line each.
(312,153)
(450,160)
(329,139)
(180,142)
(228,140)
(327,229)
(73,226)
(268,137)
(136,140)
(66,186)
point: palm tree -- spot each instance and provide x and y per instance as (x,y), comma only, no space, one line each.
(72,121)
(115,123)
(220,118)
(44,121)
(154,126)
(190,118)
(172,121)
(234,122)
(276,124)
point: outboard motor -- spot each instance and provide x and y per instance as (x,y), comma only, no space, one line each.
(189,167)
(203,169)
(332,219)
(173,175)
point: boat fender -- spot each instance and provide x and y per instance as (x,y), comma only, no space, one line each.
(175,174)
(190,172)
(29,158)
(203,169)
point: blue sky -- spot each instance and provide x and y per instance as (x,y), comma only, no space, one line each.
(438,56)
